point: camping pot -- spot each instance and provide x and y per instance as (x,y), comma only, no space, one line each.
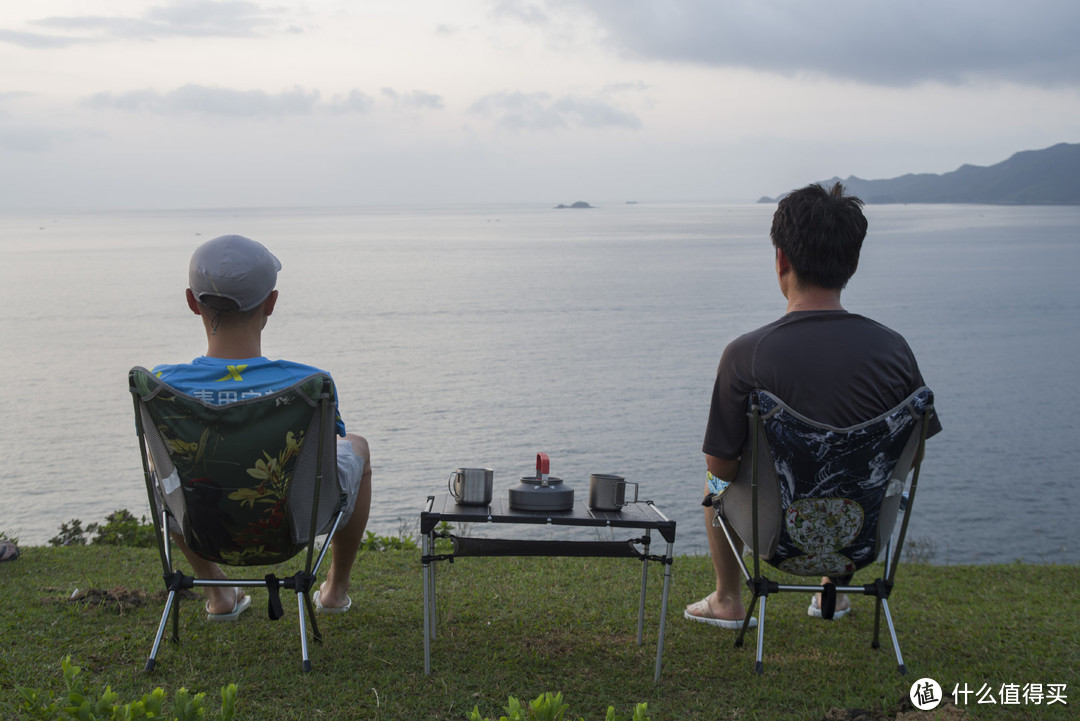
(471,486)
(607,492)
(541,492)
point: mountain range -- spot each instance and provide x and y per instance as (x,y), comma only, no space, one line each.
(1031,177)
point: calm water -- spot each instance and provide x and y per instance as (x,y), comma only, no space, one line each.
(482,335)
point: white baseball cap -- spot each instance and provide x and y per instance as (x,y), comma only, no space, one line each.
(233,267)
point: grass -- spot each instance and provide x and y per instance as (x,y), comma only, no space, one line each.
(524,626)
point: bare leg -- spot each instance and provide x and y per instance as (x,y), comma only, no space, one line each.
(346,542)
(726,602)
(219,599)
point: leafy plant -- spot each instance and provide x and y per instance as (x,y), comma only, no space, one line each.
(77,703)
(550,707)
(121,528)
(443,544)
(373,542)
(71,534)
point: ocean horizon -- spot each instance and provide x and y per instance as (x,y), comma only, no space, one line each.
(478,335)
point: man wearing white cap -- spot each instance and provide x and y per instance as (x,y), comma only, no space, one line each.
(231,283)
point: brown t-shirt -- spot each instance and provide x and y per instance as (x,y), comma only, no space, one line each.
(835,367)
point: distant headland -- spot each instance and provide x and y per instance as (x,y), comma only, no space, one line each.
(579,204)
(1031,177)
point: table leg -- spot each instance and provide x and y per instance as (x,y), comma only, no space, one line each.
(434,596)
(644,586)
(663,608)
(425,542)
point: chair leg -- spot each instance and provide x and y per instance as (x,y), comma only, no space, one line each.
(746,622)
(875,643)
(892,632)
(316,634)
(305,660)
(759,666)
(170,600)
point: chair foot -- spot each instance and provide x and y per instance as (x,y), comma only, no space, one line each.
(902,669)
(149,665)
(759,668)
(306,665)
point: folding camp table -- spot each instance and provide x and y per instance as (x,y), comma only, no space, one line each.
(643,516)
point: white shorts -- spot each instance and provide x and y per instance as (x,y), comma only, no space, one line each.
(350,471)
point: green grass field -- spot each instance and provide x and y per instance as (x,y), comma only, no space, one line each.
(524,626)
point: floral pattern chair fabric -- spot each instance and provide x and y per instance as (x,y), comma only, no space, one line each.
(814,500)
(249,483)
(833,482)
(229,473)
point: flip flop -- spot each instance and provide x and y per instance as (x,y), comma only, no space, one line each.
(699,612)
(319,608)
(239,607)
(815,612)
(8,551)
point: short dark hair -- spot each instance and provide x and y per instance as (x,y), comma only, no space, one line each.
(821,232)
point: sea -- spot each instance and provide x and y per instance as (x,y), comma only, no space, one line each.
(480,335)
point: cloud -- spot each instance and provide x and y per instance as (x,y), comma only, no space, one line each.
(354,102)
(414,100)
(539,111)
(37,41)
(206,100)
(180,18)
(614,88)
(883,43)
(528,12)
(217,101)
(7,95)
(39,138)
(208,18)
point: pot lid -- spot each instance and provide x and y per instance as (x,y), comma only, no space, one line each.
(541,482)
(541,479)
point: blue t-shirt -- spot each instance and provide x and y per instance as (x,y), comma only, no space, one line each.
(221,380)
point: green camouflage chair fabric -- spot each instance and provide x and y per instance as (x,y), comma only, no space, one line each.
(237,478)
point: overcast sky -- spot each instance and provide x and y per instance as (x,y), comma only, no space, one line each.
(192,103)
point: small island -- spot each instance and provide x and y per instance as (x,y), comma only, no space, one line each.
(579,204)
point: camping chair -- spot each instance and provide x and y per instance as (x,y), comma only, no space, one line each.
(814,500)
(248,483)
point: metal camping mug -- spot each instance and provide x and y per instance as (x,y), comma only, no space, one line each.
(471,486)
(608,492)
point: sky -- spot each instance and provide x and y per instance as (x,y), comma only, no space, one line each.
(118,104)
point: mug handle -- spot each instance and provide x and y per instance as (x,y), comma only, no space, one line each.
(450,483)
(629,483)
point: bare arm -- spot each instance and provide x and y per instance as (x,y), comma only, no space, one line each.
(723,468)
